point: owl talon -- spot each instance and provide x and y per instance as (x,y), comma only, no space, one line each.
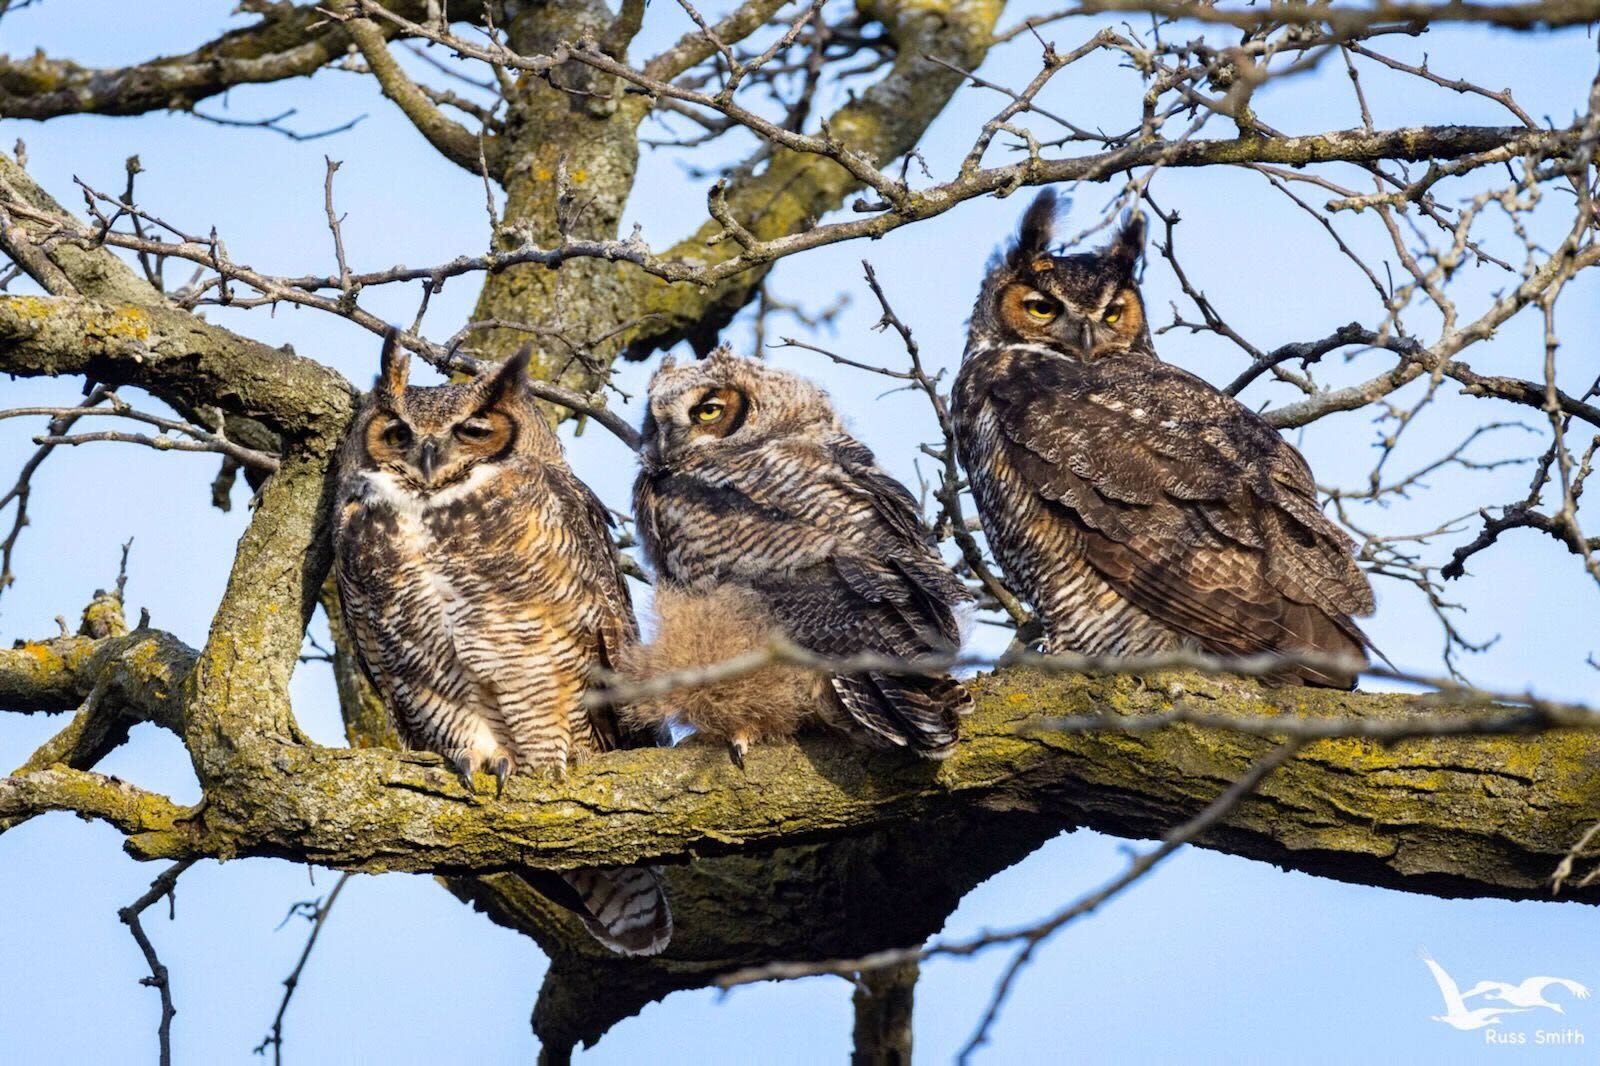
(736,750)
(464,764)
(502,770)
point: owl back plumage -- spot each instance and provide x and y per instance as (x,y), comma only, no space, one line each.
(775,498)
(482,593)
(1134,505)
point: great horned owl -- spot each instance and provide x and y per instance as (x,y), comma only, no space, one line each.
(1137,507)
(759,513)
(481,591)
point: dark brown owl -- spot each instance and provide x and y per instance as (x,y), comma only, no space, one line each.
(1137,507)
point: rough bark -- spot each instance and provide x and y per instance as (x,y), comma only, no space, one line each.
(569,161)
(819,850)
(883,1002)
(850,895)
(1478,816)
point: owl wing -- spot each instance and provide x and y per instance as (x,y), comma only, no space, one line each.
(841,560)
(618,626)
(906,543)
(1189,505)
(848,605)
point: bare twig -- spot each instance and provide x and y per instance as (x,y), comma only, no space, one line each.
(200,440)
(315,912)
(159,978)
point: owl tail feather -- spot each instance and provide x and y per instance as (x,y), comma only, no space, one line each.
(1316,631)
(920,713)
(624,908)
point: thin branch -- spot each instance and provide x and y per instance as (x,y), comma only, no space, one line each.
(1563,870)
(1213,814)
(317,914)
(159,979)
(20,492)
(950,482)
(201,440)
(275,124)
(1034,935)
(452,140)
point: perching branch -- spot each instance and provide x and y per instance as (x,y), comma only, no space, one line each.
(1409,814)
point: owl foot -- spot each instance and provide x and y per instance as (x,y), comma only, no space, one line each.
(736,749)
(550,767)
(468,761)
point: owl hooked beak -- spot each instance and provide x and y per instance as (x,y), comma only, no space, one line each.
(428,459)
(1075,336)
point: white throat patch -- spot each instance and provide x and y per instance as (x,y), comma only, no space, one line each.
(385,489)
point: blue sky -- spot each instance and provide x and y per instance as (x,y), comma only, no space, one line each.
(1213,959)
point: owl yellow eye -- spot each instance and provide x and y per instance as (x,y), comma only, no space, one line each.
(1041,307)
(708,413)
(397,434)
(1112,315)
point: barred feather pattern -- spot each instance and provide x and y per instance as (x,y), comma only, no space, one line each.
(789,506)
(1134,505)
(480,601)
(1139,509)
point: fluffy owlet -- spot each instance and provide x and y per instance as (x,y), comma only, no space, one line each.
(1137,507)
(481,591)
(760,513)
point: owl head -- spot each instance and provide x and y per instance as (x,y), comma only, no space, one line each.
(727,401)
(428,439)
(1085,305)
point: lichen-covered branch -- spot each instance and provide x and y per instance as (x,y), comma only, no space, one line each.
(1389,790)
(171,353)
(127,807)
(139,673)
(1452,816)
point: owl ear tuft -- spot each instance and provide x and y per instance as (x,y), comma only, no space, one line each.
(722,351)
(394,367)
(1127,247)
(512,377)
(1037,230)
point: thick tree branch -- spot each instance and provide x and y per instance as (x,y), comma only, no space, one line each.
(129,808)
(695,47)
(139,675)
(178,357)
(289,42)
(1416,815)
(796,188)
